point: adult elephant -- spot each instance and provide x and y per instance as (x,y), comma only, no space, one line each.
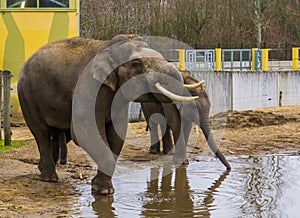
(179,120)
(67,90)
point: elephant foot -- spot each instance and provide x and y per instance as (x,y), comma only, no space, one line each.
(102,185)
(48,175)
(168,147)
(154,149)
(63,161)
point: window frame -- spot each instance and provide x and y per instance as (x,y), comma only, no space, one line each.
(72,7)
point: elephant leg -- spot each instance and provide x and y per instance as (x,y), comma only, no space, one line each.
(48,154)
(167,140)
(55,144)
(102,183)
(180,156)
(63,149)
(59,145)
(187,130)
(154,138)
(42,134)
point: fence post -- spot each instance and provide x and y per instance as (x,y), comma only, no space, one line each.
(295,58)
(181,53)
(6,107)
(265,59)
(253,58)
(218,59)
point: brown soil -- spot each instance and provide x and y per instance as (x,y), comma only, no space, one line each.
(22,193)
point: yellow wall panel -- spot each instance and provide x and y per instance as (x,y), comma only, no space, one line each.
(3,35)
(35,28)
(73,25)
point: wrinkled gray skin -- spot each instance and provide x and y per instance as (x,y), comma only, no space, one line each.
(47,83)
(180,123)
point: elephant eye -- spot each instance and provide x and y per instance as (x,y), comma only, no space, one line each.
(136,63)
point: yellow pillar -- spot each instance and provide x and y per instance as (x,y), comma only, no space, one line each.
(218,59)
(253,58)
(265,59)
(295,58)
(181,53)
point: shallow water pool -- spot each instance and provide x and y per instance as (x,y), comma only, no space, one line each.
(255,187)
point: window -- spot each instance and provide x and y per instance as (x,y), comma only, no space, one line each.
(33,5)
(37,3)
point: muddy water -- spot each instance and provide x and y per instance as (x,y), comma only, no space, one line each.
(255,187)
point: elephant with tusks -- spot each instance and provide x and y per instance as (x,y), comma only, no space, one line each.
(80,89)
(179,120)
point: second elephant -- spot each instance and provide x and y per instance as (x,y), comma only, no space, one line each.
(179,121)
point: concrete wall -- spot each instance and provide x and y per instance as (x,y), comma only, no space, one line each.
(219,87)
(251,90)
(245,90)
(289,85)
(254,90)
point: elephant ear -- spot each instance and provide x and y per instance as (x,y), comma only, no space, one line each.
(118,52)
(103,69)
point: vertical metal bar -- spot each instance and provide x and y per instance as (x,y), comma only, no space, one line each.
(231,90)
(219,61)
(223,60)
(295,58)
(241,60)
(181,59)
(286,50)
(250,56)
(6,107)
(232,62)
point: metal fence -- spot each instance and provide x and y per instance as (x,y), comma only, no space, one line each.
(200,59)
(236,59)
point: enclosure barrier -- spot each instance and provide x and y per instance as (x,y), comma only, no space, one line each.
(5,83)
(265,59)
(295,58)
(218,59)
(239,59)
(181,59)
(200,59)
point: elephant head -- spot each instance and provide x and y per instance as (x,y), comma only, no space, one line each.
(129,59)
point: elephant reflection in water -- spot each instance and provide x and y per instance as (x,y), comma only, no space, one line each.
(103,206)
(177,201)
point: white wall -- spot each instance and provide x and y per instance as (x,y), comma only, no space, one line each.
(289,85)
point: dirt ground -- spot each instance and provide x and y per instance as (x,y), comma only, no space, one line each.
(22,194)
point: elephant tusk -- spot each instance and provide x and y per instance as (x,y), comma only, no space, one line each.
(194,86)
(174,96)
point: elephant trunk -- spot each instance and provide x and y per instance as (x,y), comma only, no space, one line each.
(205,127)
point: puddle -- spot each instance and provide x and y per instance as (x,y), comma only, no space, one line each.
(255,187)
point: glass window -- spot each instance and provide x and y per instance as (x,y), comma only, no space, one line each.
(37,3)
(21,4)
(54,3)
